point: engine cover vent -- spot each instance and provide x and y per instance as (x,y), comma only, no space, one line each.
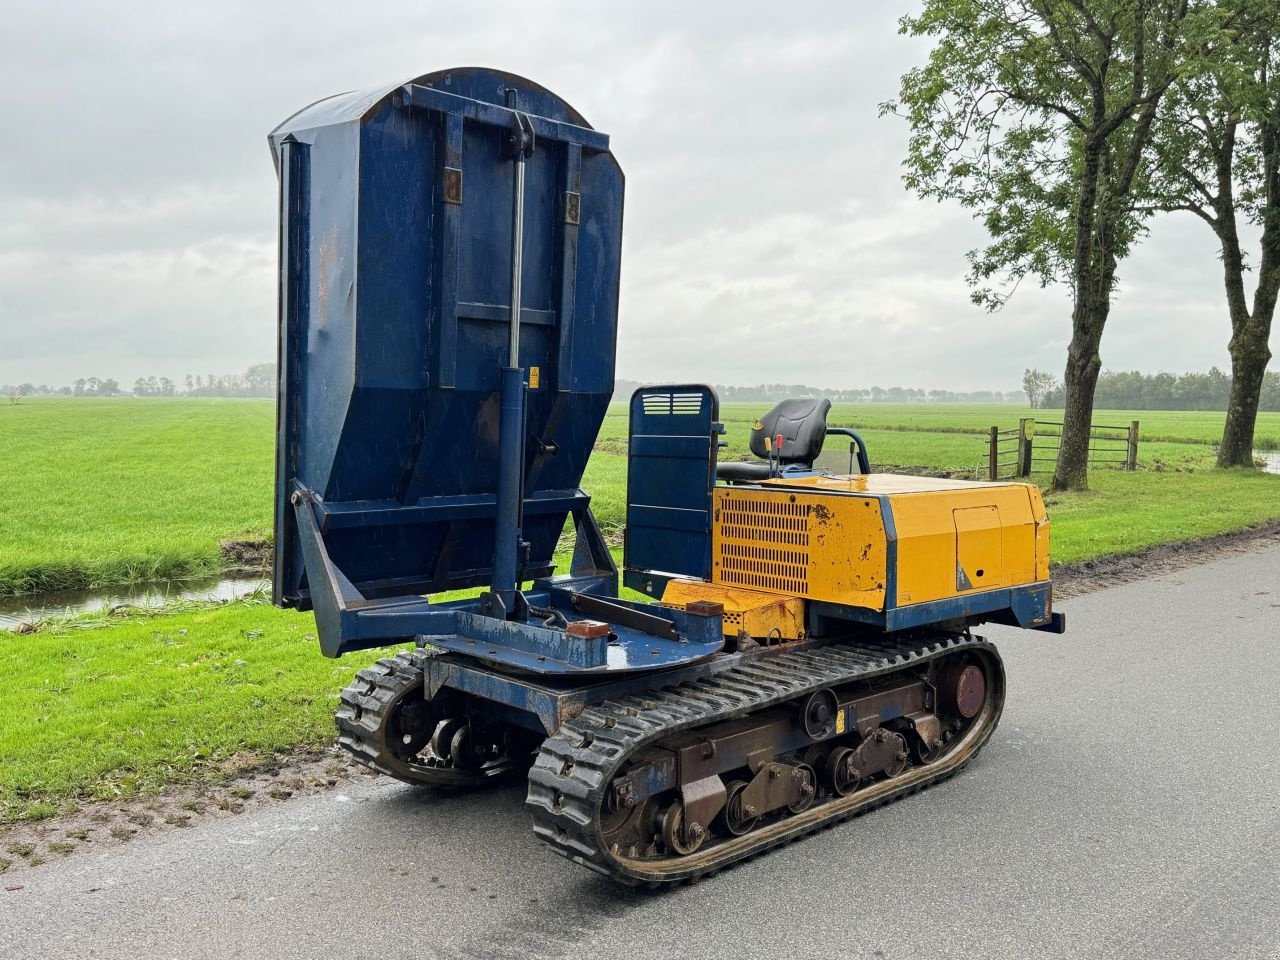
(763,544)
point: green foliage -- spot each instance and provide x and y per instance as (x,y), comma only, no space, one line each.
(1218,157)
(1132,390)
(1037,384)
(1215,149)
(1030,113)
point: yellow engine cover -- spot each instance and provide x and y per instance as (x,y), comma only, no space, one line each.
(832,538)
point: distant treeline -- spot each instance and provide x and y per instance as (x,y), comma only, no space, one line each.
(1117,390)
(773,392)
(258,381)
(1169,391)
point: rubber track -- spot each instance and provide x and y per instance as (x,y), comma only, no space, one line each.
(364,704)
(575,766)
(364,708)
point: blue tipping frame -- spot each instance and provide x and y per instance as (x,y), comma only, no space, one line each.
(348,620)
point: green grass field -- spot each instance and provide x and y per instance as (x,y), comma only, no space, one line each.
(108,491)
(101,492)
(123,490)
(93,711)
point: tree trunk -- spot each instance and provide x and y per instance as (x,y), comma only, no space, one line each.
(1250,333)
(1249,357)
(1249,350)
(1088,317)
(1080,379)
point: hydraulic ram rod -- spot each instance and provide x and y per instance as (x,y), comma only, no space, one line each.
(507,528)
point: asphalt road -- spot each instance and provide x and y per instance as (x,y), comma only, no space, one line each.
(1128,806)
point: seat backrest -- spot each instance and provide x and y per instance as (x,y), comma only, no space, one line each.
(803,425)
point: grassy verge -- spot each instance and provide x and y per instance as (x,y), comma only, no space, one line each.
(94,711)
(1128,512)
(123,490)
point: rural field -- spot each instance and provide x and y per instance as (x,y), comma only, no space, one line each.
(109,491)
(119,490)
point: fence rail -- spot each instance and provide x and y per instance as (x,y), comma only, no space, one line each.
(1015,452)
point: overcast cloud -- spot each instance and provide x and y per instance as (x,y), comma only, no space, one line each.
(768,236)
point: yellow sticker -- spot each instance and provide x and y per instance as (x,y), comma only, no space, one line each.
(839,721)
(534,376)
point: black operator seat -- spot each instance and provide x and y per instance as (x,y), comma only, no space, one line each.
(803,425)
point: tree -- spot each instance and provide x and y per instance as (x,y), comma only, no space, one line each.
(1036,114)
(261,378)
(1036,384)
(1218,157)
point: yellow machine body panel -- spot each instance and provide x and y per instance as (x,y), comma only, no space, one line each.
(800,543)
(828,538)
(755,613)
(963,540)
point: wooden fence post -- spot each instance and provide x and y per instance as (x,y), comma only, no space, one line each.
(1026,431)
(993,455)
(1131,456)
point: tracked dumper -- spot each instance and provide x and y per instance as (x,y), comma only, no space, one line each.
(449,253)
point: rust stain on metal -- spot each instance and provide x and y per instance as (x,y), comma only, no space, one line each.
(328,261)
(587,628)
(453,186)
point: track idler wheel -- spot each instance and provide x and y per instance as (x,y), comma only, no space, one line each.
(442,738)
(818,714)
(734,818)
(881,752)
(922,752)
(842,771)
(808,786)
(898,746)
(679,837)
(962,689)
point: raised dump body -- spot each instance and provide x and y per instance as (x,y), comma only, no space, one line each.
(450,253)
(396,207)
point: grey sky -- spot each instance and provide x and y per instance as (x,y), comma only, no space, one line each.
(767,236)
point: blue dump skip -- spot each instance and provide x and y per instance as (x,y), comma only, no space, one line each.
(396,256)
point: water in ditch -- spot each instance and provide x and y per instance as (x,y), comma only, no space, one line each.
(15,611)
